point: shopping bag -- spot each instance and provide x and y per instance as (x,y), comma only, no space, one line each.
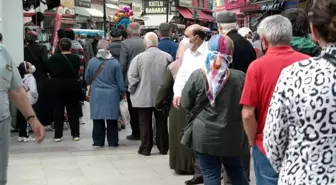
(125,115)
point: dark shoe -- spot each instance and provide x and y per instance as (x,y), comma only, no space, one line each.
(115,146)
(131,137)
(144,154)
(193,181)
(123,126)
(182,172)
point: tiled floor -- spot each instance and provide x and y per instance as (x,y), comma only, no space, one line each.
(78,163)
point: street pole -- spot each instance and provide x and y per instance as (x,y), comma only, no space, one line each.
(167,12)
(105,21)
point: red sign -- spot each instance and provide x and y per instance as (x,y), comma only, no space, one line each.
(234,4)
(58,22)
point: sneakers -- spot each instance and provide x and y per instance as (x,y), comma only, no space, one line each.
(22,139)
(57,140)
(76,139)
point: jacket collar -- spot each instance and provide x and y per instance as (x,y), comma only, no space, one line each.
(279,49)
(330,48)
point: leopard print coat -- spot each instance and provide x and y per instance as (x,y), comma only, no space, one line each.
(300,131)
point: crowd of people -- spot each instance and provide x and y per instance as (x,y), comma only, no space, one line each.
(224,98)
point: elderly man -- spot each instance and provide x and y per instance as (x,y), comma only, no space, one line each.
(244,52)
(193,59)
(11,87)
(130,48)
(145,77)
(166,44)
(261,78)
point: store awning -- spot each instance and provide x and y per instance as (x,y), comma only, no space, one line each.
(205,16)
(88,12)
(153,21)
(185,12)
(96,10)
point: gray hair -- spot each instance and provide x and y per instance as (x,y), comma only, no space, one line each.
(276,29)
(151,39)
(226,27)
(134,28)
(102,44)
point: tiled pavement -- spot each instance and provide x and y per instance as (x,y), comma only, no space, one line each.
(78,163)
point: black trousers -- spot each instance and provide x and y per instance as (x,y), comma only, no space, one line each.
(99,131)
(72,105)
(43,108)
(21,124)
(134,117)
(146,131)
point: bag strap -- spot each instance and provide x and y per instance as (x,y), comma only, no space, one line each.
(72,68)
(100,69)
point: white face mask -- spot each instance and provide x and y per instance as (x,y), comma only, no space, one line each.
(32,69)
(186,41)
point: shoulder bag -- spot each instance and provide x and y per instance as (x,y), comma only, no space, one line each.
(78,87)
(100,69)
(186,135)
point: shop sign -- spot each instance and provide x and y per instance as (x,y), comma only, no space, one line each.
(68,7)
(185,3)
(234,4)
(100,2)
(83,3)
(68,3)
(155,7)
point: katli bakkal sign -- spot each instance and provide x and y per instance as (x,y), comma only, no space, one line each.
(155,7)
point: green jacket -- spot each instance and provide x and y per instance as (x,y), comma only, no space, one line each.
(306,46)
(216,130)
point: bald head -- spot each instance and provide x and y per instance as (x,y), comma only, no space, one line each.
(190,29)
(151,40)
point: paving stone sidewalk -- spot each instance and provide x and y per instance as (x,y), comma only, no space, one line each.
(78,163)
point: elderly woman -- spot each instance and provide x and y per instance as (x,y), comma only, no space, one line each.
(215,130)
(107,87)
(300,131)
(180,158)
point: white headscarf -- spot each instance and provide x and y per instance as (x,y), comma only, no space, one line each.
(103,52)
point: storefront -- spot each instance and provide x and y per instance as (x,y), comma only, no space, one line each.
(234,6)
(195,11)
(155,13)
(258,10)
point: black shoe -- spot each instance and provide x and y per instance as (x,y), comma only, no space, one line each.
(182,172)
(115,146)
(193,181)
(131,137)
(144,154)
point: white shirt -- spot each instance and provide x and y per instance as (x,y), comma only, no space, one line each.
(191,62)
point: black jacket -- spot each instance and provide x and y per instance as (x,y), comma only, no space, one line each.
(37,54)
(244,52)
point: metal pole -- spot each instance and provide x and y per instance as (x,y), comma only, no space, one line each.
(167,12)
(105,21)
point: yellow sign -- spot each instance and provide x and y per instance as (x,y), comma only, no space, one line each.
(68,3)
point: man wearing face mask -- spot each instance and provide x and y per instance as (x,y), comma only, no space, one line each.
(193,59)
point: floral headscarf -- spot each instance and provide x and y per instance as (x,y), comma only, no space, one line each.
(216,69)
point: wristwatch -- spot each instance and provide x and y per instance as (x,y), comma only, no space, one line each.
(30,117)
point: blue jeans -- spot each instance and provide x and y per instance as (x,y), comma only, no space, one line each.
(264,172)
(211,169)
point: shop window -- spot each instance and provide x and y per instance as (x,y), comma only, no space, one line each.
(220,3)
(240,20)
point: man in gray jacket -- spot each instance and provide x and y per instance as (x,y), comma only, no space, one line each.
(130,48)
(145,77)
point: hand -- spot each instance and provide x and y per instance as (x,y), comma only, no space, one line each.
(177,102)
(38,130)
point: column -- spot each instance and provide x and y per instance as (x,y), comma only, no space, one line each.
(11,26)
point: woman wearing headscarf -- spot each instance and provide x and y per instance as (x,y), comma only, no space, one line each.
(300,130)
(215,130)
(37,54)
(180,158)
(107,87)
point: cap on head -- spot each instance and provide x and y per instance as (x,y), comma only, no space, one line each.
(226,17)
